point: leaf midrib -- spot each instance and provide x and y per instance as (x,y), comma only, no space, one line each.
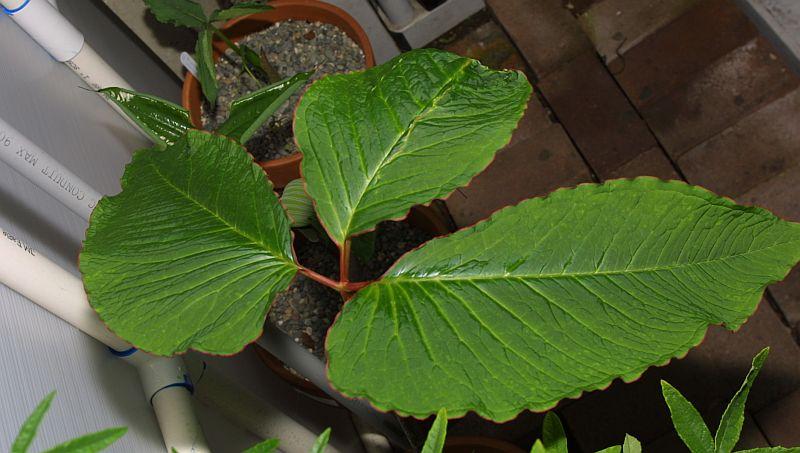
(401,277)
(233,228)
(389,155)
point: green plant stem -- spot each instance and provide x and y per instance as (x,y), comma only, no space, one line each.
(235,48)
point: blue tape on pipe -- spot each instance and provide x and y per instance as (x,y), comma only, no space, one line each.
(125,353)
(187,384)
(17,9)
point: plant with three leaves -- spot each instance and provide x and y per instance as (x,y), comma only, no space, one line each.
(188,13)
(542,301)
(554,440)
(693,430)
(90,443)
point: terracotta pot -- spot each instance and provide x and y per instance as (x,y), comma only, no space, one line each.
(280,171)
(427,218)
(479,445)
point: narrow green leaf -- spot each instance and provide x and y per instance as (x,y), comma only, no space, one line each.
(687,421)
(299,206)
(730,426)
(184,13)
(553,437)
(377,142)
(538,447)
(631,445)
(434,443)
(611,449)
(28,430)
(162,121)
(180,258)
(90,443)
(322,441)
(267,446)
(772,450)
(238,10)
(249,112)
(206,72)
(633,271)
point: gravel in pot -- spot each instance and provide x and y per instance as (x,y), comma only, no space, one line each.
(289,47)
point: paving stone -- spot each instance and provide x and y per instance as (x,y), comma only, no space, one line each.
(596,113)
(669,57)
(532,167)
(781,195)
(578,6)
(721,94)
(708,376)
(652,162)
(779,421)
(615,26)
(535,119)
(543,30)
(753,150)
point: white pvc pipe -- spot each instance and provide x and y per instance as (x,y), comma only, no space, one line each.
(40,168)
(45,283)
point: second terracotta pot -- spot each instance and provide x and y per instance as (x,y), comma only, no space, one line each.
(280,171)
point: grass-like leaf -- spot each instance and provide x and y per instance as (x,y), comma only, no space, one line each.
(206,72)
(322,441)
(184,13)
(730,426)
(266,446)
(377,142)
(772,450)
(178,259)
(557,296)
(28,430)
(249,112)
(90,443)
(437,435)
(162,121)
(611,449)
(687,421)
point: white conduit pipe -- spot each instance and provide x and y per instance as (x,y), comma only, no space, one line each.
(239,405)
(51,30)
(164,379)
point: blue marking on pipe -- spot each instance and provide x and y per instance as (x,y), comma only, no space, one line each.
(17,9)
(125,353)
(187,384)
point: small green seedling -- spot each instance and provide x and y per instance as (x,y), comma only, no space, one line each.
(693,430)
(271,445)
(89,443)
(188,13)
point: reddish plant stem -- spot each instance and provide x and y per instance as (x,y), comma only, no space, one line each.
(344,263)
(320,278)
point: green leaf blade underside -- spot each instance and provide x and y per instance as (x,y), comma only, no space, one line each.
(183,13)
(206,72)
(249,112)
(267,446)
(556,296)
(437,435)
(182,258)
(238,10)
(553,436)
(688,422)
(631,445)
(28,430)
(90,443)
(162,121)
(377,142)
(730,425)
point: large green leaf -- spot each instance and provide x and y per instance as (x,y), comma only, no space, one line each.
(28,430)
(162,121)
(186,13)
(90,443)
(379,141)
(182,257)
(557,296)
(206,72)
(730,425)
(238,10)
(687,420)
(249,112)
